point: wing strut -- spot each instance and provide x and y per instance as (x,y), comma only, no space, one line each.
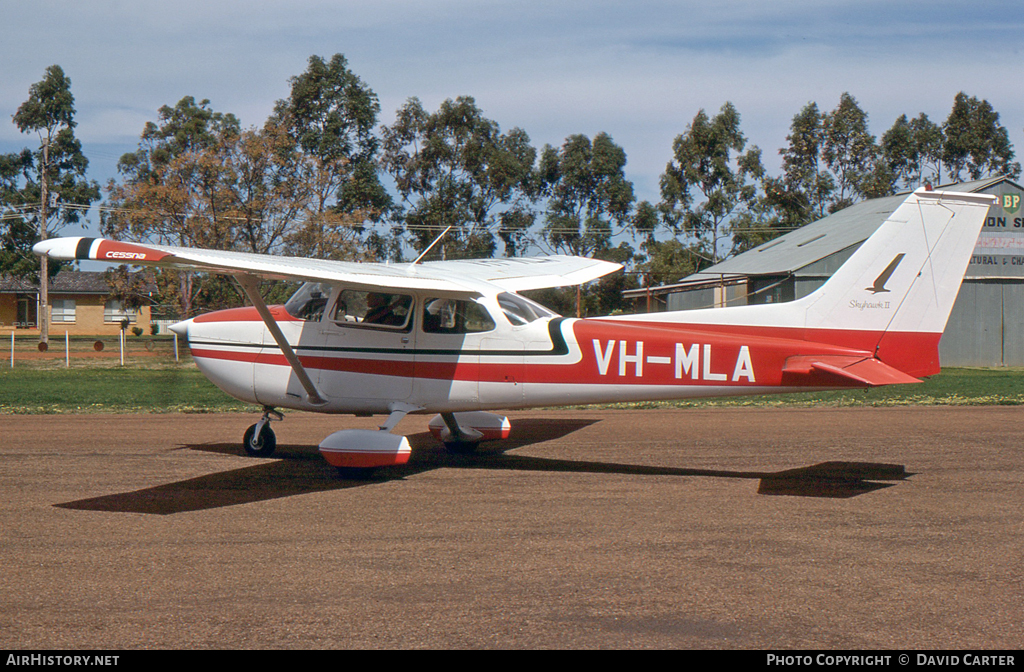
(251,287)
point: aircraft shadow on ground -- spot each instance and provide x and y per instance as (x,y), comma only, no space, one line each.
(298,470)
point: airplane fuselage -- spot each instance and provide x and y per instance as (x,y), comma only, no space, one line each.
(549,361)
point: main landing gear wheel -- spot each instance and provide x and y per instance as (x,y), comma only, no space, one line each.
(262,445)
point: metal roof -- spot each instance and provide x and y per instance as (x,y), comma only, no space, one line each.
(65,282)
(976,185)
(793,251)
(810,243)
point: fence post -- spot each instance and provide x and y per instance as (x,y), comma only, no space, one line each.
(67,350)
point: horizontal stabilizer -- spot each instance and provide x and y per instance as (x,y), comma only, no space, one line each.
(853,369)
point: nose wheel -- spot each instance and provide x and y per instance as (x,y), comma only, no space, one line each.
(259,440)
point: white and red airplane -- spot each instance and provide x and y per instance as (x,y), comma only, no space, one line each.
(454,338)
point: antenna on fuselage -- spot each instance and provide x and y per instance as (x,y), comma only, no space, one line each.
(431,246)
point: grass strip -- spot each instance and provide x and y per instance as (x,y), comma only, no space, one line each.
(148,388)
(112,390)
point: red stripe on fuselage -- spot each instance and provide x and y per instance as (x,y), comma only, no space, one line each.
(611,353)
(914,353)
(666,357)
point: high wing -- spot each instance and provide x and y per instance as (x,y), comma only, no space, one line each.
(462,277)
(525,272)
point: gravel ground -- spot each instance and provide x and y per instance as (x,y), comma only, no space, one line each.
(856,528)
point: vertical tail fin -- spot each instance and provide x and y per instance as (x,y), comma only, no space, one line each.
(902,282)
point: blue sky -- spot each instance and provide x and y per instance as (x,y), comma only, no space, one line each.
(637,70)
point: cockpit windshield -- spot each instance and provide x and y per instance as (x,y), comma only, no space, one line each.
(309,301)
(520,310)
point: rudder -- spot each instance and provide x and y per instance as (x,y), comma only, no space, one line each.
(902,282)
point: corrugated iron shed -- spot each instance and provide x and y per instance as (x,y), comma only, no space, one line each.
(789,253)
(808,245)
(984,328)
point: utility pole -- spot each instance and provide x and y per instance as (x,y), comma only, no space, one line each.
(44,280)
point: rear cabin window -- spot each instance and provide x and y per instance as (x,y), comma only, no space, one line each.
(378,310)
(455,316)
(520,311)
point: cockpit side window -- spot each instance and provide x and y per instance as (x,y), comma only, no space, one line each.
(520,311)
(373,309)
(309,301)
(455,316)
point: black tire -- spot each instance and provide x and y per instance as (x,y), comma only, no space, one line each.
(261,446)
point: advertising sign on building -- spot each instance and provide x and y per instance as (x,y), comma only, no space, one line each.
(1000,249)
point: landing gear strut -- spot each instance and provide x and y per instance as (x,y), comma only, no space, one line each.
(259,439)
(462,432)
(459,440)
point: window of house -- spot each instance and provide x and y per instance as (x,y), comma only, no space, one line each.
(113,312)
(62,310)
(26,312)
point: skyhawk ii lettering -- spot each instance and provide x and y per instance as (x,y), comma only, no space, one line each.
(458,340)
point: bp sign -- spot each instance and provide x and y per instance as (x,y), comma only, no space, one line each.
(1010,203)
(1000,249)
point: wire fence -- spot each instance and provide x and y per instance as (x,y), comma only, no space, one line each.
(25,349)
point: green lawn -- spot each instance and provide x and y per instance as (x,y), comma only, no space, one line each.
(111,390)
(156,388)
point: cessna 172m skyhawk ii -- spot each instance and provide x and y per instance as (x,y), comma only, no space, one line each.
(454,338)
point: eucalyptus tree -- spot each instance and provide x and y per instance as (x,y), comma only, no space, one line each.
(913,151)
(850,151)
(898,150)
(589,200)
(46,189)
(171,187)
(976,144)
(802,194)
(710,181)
(455,168)
(173,190)
(831,161)
(261,192)
(331,116)
(19,217)
(588,194)
(928,142)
